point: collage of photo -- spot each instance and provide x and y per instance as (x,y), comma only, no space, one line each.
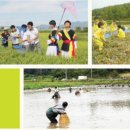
(64,64)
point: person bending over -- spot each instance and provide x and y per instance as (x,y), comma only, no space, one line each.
(54,111)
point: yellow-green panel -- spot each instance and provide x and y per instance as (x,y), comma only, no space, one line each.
(9,98)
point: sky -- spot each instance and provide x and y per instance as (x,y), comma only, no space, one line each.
(40,12)
(104,3)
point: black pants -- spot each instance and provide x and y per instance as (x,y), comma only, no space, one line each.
(56,95)
(5,44)
(52,118)
(33,46)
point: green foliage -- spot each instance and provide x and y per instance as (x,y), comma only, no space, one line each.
(53,77)
(44,84)
(73,73)
(117,12)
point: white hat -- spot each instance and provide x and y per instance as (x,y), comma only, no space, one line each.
(5,28)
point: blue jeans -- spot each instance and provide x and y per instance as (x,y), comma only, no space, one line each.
(16,46)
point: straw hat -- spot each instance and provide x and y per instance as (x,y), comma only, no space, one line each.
(5,28)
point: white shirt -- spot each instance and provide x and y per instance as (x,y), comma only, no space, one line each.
(13,37)
(24,37)
(56,90)
(32,34)
(58,109)
(54,29)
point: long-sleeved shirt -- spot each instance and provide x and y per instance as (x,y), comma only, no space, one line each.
(99,35)
(54,111)
(53,37)
(59,109)
(121,33)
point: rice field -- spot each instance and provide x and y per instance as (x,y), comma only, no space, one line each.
(116,51)
(10,56)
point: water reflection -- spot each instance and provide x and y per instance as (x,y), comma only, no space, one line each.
(100,108)
(52,126)
(56,101)
(64,122)
(121,104)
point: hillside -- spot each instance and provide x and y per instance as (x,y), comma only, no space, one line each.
(82,25)
(117,12)
(43,27)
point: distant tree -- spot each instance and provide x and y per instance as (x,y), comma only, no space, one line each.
(73,73)
(85,29)
(117,12)
(78,29)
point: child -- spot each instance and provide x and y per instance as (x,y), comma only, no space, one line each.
(121,32)
(5,36)
(95,26)
(69,41)
(99,36)
(105,25)
(53,48)
(113,27)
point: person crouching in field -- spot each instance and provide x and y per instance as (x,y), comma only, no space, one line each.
(69,45)
(33,37)
(53,112)
(99,38)
(113,27)
(95,25)
(121,32)
(5,37)
(15,37)
(24,37)
(53,48)
(104,25)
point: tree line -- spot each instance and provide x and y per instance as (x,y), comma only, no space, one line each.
(117,12)
(74,73)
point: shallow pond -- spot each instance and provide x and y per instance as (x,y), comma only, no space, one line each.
(101,108)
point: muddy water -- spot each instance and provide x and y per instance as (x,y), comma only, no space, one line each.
(101,108)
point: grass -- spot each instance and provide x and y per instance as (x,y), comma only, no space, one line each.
(10,56)
(116,51)
(45,84)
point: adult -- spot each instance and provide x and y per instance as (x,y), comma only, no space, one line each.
(33,37)
(53,112)
(15,37)
(56,93)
